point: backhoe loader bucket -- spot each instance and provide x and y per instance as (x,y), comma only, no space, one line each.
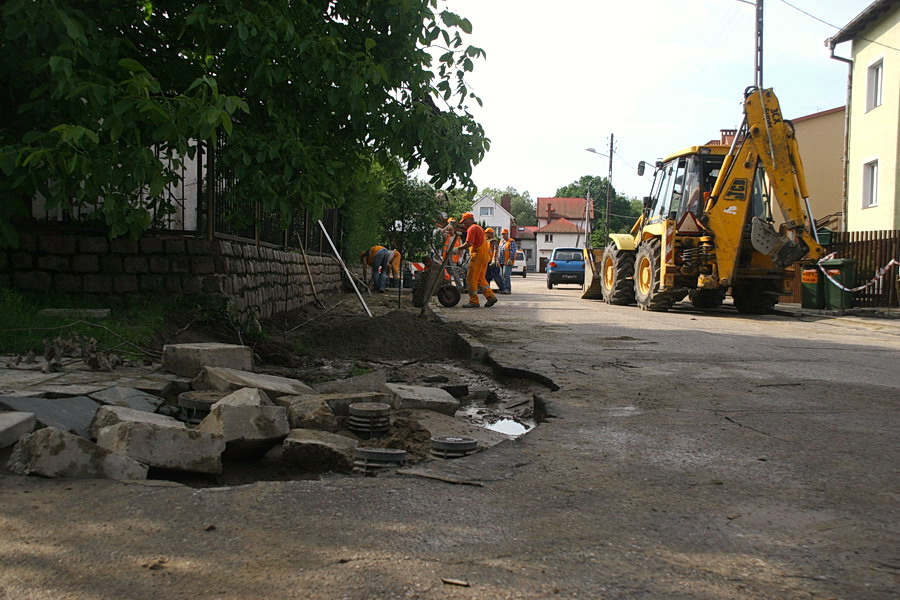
(593,274)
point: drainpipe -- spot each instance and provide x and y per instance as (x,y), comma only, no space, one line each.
(844,176)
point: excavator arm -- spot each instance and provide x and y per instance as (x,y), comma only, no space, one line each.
(766,143)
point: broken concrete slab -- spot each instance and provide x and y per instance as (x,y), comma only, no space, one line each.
(420,397)
(110,415)
(338,402)
(165,446)
(248,421)
(224,379)
(310,412)
(68,414)
(187,359)
(319,451)
(129,397)
(367,382)
(13,425)
(51,452)
(469,347)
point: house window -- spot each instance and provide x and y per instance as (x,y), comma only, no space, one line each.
(870,184)
(486,211)
(548,237)
(875,86)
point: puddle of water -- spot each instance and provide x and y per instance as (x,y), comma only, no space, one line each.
(508,427)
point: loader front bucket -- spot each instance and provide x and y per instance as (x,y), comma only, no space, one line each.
(593,259)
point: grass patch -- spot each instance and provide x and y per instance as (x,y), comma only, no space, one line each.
(131,326)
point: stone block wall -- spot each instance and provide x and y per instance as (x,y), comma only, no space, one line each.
(256,279)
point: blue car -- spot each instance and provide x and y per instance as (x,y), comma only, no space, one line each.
(566,266)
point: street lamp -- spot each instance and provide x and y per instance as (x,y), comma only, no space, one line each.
(608,179)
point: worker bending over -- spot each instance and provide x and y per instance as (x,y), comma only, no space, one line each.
(479,255)
(379,258)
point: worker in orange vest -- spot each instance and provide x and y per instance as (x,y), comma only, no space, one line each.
(452,239)
(506,258)
(479,255)
(380,258)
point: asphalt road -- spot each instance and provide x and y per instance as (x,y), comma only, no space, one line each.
(689,454)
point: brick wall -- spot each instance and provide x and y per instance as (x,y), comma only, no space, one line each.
(264,280)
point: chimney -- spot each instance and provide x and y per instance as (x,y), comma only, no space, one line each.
(727,136)
(506,202)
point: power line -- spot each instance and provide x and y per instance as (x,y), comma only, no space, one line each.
(812,16)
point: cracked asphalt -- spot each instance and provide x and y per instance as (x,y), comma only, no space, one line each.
(688,454)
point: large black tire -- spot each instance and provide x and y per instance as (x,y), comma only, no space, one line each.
(646,279)
(754,297)
(617,275)
(549,284)
(707,298)
(448,295)
(524,273)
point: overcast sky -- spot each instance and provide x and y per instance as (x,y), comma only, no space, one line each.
(660,75)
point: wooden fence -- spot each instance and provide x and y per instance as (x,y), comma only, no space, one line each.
(871,250)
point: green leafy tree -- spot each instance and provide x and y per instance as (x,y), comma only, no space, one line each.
(623,210)
(103,100)
(522,205)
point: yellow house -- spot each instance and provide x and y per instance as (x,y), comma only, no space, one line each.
(820,137)
(872,189)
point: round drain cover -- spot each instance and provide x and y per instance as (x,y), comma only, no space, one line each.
(370,409)
(451,442)
(380,454)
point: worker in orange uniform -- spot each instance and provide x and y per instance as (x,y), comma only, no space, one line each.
(479,255)
(380,258)
(493,269)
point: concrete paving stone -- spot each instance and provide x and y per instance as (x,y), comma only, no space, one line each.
(73,414)
(50,452)
(319,451)
(110,415)
(130,397)
(248,421)
(229,380)
(367,382)
(165,446)
(187,359)
(13,425)
(471,348)
(421,397)
(338,402)
(311,412)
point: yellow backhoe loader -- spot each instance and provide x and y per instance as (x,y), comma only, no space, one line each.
(709,224)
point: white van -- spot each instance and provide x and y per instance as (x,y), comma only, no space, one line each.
(519,268)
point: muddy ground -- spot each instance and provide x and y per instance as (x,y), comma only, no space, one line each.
(690,455)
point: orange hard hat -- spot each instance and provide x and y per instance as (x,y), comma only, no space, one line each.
(451,220)
(505,231)
(489,230)
(466,215)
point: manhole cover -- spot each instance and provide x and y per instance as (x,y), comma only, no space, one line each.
(371,460)
(452,447)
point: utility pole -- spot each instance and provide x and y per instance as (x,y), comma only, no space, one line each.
(758,66)
(609,185)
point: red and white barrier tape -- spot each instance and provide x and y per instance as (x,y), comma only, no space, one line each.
(879,275)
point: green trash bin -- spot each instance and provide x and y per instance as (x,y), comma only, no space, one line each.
(812,290)
(842,271)
(824,235)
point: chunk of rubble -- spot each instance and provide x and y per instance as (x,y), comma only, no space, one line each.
(338,403)
(229,380)
(50,452)
(129,397)
(187,359)
(421,397)
(13,425)
(248,421)
(73,414)
(108,416)
(165,446)
(319,451)
(360,383)
(309,412)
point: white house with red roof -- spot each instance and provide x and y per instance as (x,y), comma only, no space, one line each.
(561,222)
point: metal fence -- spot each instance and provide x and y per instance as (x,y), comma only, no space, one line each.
(204,206)
(871,250)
